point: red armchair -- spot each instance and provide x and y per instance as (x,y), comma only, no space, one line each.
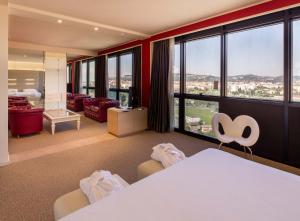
(75,101)
(96,108)
(24,121)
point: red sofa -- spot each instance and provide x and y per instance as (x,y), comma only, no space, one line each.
(24,120)
(75,101)
(96,108)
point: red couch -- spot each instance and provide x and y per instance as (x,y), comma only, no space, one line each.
(75,101)
(24,120)
(96,108)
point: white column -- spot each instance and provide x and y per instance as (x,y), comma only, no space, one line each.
(4,157)
(55,80)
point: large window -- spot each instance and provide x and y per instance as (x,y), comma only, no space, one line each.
(120,70)
(255,63)
(241,61)
(296,61)
(203,61)
(200,77)
(87,79)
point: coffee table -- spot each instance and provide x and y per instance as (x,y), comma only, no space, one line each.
(60,116)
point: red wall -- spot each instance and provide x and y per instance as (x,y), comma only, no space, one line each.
(226,18)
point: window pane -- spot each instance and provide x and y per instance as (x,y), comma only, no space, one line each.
(255,63)
(123,98)
(68,73)
(112,95)
(112,72)
(296,61)
(176,68)
(203,61)
(83,78)
(92,92)
(92,74)
(198,116)
(125,71)
(176,112)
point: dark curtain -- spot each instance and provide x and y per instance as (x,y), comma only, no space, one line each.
(137,98)
(159,109)
(100,78)
(77,77)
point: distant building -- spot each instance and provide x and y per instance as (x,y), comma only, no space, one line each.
(216,85)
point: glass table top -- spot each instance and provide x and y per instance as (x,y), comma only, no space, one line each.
(60,113)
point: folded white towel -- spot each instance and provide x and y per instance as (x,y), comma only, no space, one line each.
(167,154)
(100,184)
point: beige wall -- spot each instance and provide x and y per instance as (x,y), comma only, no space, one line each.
(4,158)
(26,80)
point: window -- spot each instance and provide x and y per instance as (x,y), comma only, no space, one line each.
(176,112)
(126,71)
(87,85)
(112,72)
(120,70)
(198,116)
(255,63)
(176,68)
(296,61)
(69,73)
(201,77)
(203,61)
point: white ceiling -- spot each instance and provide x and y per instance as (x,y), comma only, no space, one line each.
(120,21)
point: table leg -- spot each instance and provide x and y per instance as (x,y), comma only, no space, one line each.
(53,128)
(78,124)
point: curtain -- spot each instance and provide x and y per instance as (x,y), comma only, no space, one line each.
(137,77)
(77,77)
(100,78)
(159,107)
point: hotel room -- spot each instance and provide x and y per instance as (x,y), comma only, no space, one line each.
(149,110)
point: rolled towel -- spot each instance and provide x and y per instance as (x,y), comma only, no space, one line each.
(167,154)
(100,184)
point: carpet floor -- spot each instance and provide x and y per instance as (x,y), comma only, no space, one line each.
(28,188)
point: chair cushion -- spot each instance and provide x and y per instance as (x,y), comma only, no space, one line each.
(69,203)
(148,168)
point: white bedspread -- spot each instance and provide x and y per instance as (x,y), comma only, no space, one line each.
(209,186)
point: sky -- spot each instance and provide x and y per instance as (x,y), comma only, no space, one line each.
(257,51)
(125,65)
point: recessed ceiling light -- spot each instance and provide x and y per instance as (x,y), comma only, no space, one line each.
(59,21)
(96,28)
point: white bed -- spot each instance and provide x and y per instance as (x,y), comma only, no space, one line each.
(209,186)
(32,93)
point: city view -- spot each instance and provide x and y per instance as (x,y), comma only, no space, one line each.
(254,62)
